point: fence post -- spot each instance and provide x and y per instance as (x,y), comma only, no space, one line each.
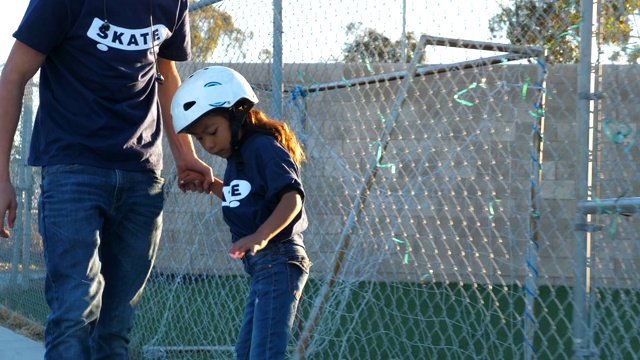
(530,286)
(277,65)
(585,120)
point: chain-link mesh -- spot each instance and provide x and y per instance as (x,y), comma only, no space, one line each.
(468,198)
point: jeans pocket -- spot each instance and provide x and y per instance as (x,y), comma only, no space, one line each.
(302,262)
(298,271)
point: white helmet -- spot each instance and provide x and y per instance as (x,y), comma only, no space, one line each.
(206,89)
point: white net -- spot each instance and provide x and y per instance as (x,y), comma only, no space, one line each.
(452,212)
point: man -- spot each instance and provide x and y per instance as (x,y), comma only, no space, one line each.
(107,77)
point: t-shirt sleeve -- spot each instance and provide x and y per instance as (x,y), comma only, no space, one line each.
(178,46)
(45,24)
(281,175)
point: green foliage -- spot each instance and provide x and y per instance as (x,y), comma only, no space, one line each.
(555,24)
(266,55)
(208,26)
(370,46)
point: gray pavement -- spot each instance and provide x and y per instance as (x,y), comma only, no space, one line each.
(14,346)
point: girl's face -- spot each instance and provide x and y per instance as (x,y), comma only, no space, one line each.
(213,133)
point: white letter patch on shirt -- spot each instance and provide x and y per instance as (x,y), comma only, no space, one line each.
(237,190)
(127,39)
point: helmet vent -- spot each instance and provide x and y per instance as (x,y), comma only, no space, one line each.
(188,105)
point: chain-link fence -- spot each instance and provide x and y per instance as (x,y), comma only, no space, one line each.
(468,198)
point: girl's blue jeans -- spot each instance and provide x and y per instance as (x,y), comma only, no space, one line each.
(279,273)
(100,230)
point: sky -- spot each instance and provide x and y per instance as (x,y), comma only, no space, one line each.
(315,30)
(10,17)
(315,34)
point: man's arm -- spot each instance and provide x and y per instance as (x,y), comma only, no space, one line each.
(181,144)
(22,64)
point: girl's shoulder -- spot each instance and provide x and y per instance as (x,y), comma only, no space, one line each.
(260,140)
(264,146)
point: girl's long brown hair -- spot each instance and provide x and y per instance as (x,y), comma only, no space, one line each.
(260,122)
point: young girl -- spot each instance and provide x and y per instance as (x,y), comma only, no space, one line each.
(262,199)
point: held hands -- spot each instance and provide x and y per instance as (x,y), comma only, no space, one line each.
(194,166)
(198,167)
(252,243)
(192,181)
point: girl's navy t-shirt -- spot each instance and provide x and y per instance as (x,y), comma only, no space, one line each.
(98,99)
(251,193)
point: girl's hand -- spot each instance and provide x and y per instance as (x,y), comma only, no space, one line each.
(252,243)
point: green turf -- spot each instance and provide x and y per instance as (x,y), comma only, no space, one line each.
(412,321)
(377,320)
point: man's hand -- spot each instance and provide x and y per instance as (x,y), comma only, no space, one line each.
(8,207)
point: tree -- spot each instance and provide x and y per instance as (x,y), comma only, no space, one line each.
(371,46)
(265,55)
(554,24)
(208,25)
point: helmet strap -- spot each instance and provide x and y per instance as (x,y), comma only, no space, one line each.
(237,116)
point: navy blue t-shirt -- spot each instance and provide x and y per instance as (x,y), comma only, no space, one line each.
(251,194)
(98,100)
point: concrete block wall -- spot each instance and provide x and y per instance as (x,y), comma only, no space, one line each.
(454,164)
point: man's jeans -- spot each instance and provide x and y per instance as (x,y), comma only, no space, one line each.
(279,273)
(100,230)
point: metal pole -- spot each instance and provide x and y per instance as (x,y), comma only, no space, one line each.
(420,71)
(584,136)
(202,3)
(537,147)
(161,352)
(404,31)
(514,52)
(277,66)
(529,51)
(22,235)
(630,205)
(27,177)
